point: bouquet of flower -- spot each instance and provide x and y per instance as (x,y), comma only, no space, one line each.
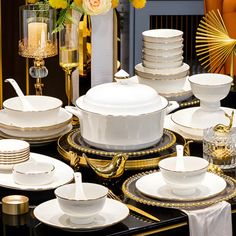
(88,7)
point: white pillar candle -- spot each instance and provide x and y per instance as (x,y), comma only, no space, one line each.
(37,34)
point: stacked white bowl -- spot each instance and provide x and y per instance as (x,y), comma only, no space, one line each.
(162,64)
(13,151)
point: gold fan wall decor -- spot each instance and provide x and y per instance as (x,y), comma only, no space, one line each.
(213,44)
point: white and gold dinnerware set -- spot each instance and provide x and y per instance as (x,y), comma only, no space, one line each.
(162,64)
(45,122)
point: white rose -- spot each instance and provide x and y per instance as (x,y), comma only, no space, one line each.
(96,7)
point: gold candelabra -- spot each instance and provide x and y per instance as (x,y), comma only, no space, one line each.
(213,44)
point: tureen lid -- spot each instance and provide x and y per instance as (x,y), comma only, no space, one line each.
(124,97)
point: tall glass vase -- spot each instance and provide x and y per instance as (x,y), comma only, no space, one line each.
(69,50)
(37,39)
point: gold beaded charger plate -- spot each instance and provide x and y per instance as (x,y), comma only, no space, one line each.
(130,191)
(72,144)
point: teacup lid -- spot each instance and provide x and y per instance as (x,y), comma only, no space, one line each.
(124,97)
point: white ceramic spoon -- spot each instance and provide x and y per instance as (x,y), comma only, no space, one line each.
(79,192)
(179,160)
(26,105)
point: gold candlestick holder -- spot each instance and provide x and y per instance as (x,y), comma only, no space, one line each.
(37,39)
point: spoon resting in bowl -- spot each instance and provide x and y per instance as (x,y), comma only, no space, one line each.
(26,105)
(179,160)
(79,192)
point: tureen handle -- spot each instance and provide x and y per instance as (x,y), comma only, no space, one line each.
(173,105)
(75,111)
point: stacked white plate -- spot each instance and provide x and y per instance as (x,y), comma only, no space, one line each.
(13,151)
(45,130)
(162,64)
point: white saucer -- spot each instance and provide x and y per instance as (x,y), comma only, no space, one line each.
(154,186)
(50,213)
(62,119)
(63,174)
(192,121)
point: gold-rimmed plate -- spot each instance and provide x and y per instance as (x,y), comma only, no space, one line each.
(130,191)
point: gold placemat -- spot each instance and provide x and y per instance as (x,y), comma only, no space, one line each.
(131,192)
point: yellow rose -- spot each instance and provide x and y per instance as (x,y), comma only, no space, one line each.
(58,4)
(138,3)
(96,7)
(115,3)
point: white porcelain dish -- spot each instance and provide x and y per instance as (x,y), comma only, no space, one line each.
(154,186)
(63,174)
(50,214)
(39,141)
(192,121)
(43,106)
(13,146)
(162,65)
(121,115)
(164,85)
(43,128)
(81,211)
(183,174)
(210,88)
(174,73)
(162,35)
(33,173)
(163,52)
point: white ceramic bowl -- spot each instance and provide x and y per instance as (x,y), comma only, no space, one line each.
(163,52)
(44,107)
(183,181)
(162,65)
(32,173)
(81,211)
(163,46)
(163,58)
(210,88)
(164,85)
(162,35)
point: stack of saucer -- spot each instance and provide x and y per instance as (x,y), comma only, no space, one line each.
(162,64)
(13,151)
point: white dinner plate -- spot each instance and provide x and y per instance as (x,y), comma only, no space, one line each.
(63,174)
(50,213)
(41,129)
(40,140)
(154,186)
(192,121)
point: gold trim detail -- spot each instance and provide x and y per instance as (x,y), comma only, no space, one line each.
(102,158)
(162,229)
(130,154)
(224,196)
